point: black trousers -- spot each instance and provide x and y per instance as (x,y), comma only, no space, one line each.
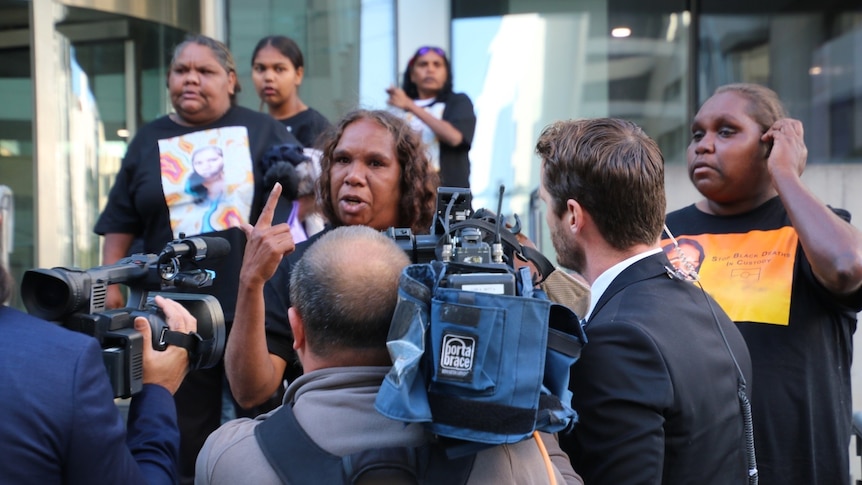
(199,402)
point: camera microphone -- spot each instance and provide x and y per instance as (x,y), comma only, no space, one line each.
(199,248)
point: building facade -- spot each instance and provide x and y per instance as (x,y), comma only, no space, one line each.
(77,79)
(79,76)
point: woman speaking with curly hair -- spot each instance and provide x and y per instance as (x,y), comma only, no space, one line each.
(374,172)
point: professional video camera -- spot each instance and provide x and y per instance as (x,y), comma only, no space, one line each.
(75,298)
(478,250)
(495,351)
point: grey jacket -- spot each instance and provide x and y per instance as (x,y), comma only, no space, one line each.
(335,407)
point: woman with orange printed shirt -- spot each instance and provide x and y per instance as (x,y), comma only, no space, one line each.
(787,269)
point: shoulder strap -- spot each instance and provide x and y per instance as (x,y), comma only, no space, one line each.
(286,445)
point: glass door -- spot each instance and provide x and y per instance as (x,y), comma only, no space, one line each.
(538,63)
(75,84)
(116,67)
(16,141)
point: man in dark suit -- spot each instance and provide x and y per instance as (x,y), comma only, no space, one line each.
(59,421)
(656,387)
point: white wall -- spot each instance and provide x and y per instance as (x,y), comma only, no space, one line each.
(419,24)
(416,24)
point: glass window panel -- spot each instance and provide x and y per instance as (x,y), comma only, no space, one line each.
(95,62)
(102,60)
(16,163)
(328,34)
(526,70)
(16,142)
(819,82)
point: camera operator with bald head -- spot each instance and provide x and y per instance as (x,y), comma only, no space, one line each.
(60,423)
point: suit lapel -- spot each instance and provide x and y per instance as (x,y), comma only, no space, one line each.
(649,267)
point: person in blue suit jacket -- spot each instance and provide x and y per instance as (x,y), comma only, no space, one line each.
(59,421)
(657,387)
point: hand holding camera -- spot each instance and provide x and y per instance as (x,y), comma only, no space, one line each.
(189,327)
(168,367)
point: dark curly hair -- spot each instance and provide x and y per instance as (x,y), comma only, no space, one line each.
(419,181)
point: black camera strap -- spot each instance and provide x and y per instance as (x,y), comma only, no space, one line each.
(542,263)
(188,341)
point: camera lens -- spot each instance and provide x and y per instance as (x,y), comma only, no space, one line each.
(51,294)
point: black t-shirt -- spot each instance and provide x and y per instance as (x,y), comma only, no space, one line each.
(306,126)
(455,161)
(136,204)
(799,335)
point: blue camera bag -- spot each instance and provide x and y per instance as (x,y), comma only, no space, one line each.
(479,367)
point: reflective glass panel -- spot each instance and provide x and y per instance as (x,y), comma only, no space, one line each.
(328,34)
(16,141)
(533,66)
(116,68)
(810,58)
